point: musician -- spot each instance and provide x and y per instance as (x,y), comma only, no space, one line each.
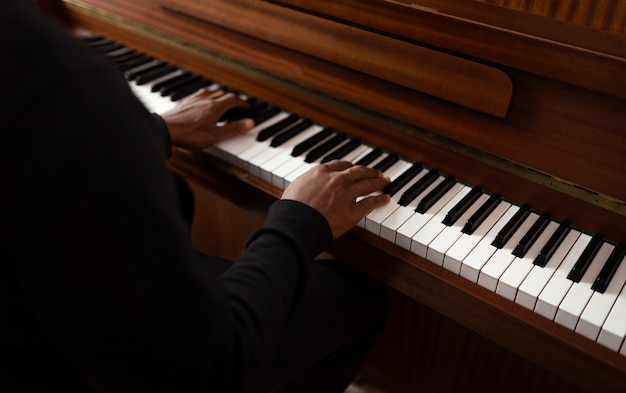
(100,286)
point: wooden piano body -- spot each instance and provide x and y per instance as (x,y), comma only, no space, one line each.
(527,100)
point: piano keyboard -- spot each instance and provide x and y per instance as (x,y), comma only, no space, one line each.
(573,278)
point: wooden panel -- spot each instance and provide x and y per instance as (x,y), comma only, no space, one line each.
(442,75)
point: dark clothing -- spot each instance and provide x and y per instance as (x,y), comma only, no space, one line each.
(100,286)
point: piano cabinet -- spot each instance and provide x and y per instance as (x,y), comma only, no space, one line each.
(552,138)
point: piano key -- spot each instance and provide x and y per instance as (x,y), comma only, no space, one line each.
(531,236)
(502,258)
(554,292)
(600,304)
(614,328)
(550,247)
(401,181)
(477,219)
(423,237)
(319,151)
(132,74)
(511,227)
(608,270)
(342,150)
(457,211)
(249,155)
(522,265)
(278,156)
(370,157)
(418,188)
(133,62)
(435,194)
(387,162)
(579,294)
(277,127)
(539,276)
(451,233)
(374,219)
(290,133)
(189,89)
(409,221)
(169,88)
(391,224)
(583,263)
(308,144)
(156,73)
(460,250)
(478,257)
(229,149)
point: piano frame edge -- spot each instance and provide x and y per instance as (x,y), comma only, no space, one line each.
(546,343)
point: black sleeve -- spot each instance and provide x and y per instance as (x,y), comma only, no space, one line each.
(95,248)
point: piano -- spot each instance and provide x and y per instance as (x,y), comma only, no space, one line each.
(500,123)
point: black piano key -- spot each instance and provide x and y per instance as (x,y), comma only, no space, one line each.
(412,192)
(325,147)
(429,200)
(265,114)
(370,157)
(110,47)
(531,236)
(387,162)
(155,73)
(189,89)
(311,142)
(132,63)
(610,267)
(509,229)
(481,214)
(277,127)
(583,262)
(124,57)
(402,180)
(290,132)
(99,42)
(460,208)
(89,39)
(342,150)
(170,88)
(550,247)
(169,81)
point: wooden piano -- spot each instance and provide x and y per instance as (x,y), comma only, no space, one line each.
(525,99)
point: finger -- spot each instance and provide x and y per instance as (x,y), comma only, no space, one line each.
(338,165)
(237,127)
(367,204)
(366,186)
(228,101)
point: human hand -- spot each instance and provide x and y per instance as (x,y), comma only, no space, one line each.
(193,122)
(333,188)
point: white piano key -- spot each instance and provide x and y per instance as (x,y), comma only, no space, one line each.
(229,149)
(579,294)
(600,304)
(552,295)
(483,251)
(614,328)
(377,216)
(438,248)
(422,239)
(502,258)
(267,161)
(516,273)
(538,277)
(414,221)
(390,225)
(434,215)
(392,172)
(454,257)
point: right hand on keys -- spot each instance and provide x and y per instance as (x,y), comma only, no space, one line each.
(333,188)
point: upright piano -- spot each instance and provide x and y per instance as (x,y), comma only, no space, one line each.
(502,125)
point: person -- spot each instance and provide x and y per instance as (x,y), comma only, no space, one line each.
(101,288)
